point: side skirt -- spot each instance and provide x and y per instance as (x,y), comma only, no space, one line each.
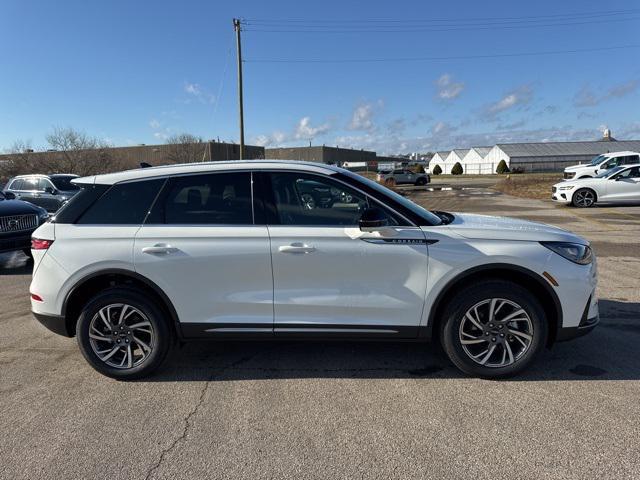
(292,331)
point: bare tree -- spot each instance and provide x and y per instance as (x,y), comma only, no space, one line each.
(21,159)
(186,148)
(77,152)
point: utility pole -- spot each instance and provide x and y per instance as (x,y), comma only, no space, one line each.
(236,27)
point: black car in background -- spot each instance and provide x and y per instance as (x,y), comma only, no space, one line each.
(18,220)
(47,191)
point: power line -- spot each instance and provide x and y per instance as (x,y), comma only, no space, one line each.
(457,19)
(417,29)
(433,58)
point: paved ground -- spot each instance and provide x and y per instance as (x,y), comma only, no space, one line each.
(344,410)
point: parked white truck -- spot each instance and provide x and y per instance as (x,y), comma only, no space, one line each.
(601,163)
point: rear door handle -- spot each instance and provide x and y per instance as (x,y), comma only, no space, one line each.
(159,249)
(296,248)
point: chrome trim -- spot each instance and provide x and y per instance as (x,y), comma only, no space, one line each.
(239,330)
(333,330)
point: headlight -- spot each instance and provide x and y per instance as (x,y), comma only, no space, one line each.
(567,187)
(577,253)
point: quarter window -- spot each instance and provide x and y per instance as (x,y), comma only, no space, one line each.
(302,199)
(215,199)
(123,204)
(17,184)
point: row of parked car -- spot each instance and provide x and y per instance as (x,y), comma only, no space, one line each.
(26,202)
(610,177)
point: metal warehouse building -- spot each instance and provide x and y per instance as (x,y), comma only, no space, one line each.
(551,156)
(322,154)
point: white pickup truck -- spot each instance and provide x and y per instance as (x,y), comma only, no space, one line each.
(601,163)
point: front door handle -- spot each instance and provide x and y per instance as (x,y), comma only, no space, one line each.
(296,247)
(159,248)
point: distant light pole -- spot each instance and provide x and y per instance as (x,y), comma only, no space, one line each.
(236,27)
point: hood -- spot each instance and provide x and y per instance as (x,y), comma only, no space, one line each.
(17,207)
(505,228)
(573,168)
(580,181)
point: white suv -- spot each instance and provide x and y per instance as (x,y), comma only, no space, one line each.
(141,259)
(600,164)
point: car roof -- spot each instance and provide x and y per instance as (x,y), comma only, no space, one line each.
(618,154)
(43,175)
(204,167)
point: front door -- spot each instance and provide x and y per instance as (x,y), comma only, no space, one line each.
(202,247)
(624,186)
(331,278)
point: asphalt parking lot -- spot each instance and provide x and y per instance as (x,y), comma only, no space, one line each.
(342,410)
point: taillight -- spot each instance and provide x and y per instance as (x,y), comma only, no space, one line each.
(36,297)
(40,244)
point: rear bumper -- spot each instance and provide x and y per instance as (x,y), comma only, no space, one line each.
(55,323)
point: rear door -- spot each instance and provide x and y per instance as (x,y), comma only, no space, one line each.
(204,246)
(331,278)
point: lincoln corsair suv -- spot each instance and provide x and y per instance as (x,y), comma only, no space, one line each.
(142,259)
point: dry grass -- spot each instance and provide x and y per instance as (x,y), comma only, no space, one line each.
(536,186)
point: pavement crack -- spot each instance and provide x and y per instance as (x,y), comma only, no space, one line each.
(187,420)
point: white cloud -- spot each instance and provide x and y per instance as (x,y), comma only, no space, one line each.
(155,124)
(363,116)
(586,97)
(516,98)
(194,90)
(447,89)
(305,130)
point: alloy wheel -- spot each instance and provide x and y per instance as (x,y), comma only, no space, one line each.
(496,332)
(121,336)
(584,198)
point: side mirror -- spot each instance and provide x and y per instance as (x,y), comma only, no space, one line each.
(372,219)
(50,190)
(9,195)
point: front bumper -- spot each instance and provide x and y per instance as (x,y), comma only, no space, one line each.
(561,196)
(55,323)
(589,321)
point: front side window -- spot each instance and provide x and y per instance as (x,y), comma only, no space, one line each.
(633,172)
(123,204)
(214,199)
(303,199)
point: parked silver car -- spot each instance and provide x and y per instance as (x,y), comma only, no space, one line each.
(403,175)
(47,191)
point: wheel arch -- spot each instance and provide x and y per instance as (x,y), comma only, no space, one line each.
(97,281)
(501,271)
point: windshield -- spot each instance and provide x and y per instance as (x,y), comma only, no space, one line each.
(596,160)
(64,183)
(608,173)
(408,204)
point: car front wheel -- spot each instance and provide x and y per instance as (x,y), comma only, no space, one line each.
(494,330)
(122,334)
(584,198)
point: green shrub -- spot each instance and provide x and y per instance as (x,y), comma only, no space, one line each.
(502,167)
(437,170)
(457,169)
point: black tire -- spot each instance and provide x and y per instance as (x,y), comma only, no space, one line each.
(455,311)
(160,342)
(421,181)
(584,198)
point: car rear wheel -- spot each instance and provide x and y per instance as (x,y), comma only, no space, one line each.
(421,181)
(494,330)
(122,334)
(584,198)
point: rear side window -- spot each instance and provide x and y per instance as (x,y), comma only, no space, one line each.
(123,204)
(64,183)
(79,203)
(17,184)
(213,199)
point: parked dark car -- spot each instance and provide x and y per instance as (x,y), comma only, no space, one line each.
(18,220)
(47,191)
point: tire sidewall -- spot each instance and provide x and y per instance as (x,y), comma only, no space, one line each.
(456,310)
(161,341)
(573,201)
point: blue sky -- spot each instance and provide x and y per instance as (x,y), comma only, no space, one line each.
(136,72)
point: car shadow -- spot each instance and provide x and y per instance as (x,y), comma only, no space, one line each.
(610,352)
(15,263)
